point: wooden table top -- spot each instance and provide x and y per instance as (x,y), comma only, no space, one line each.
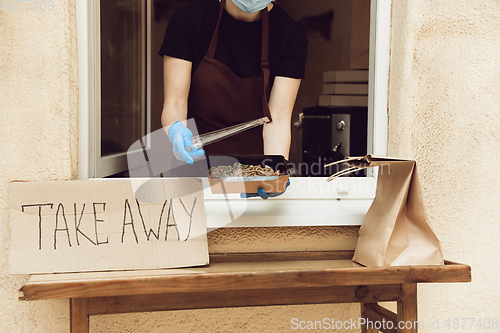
(240,271)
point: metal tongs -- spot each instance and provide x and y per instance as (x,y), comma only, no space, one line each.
(205,139)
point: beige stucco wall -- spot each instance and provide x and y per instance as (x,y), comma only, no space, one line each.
(38,134)
(443,111)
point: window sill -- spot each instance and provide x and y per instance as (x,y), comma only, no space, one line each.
(307,202)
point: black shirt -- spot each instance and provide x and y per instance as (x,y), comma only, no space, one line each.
(190,31)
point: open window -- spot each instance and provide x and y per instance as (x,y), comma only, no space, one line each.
(133,108)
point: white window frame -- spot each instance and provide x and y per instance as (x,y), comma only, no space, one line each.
(90,163)
(308,201)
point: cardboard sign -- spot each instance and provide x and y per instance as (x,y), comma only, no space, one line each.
(100,225)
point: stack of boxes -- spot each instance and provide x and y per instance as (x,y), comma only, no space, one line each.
(345,88)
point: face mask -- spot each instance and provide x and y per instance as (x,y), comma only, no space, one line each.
(252,6)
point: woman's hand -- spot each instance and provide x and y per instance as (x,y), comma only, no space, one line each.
(183,148)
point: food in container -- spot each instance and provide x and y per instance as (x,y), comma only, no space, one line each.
(241,170)
(247,173)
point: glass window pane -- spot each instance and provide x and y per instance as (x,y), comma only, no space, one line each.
(122,74)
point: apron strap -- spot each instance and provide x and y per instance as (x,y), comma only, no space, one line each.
(265,49)
(215,37)
(265,62)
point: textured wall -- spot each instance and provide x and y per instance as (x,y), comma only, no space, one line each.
(38,133)
(444,105)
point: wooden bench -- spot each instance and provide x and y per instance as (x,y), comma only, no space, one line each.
(247,279)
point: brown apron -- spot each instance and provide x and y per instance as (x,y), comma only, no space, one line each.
(218,98)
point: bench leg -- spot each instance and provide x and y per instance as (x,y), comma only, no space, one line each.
(366,315)
(79,315)
(378,319)
(407,308)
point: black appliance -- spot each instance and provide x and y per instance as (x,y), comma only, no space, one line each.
(329,134)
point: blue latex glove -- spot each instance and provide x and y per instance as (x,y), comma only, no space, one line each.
(261,193)
(180,137)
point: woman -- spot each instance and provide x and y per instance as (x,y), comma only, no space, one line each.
(228,62)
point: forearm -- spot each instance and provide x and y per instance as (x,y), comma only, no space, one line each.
(277,137)
(277,134)
(177,81)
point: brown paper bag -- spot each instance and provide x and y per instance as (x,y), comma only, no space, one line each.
(395,230)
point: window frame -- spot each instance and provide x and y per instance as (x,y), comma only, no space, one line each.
(90,163)
(347,199)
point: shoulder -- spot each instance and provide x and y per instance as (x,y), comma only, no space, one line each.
(280,16)
(289,29)
(290,42)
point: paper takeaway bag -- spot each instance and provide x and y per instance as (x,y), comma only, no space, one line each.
(395,230)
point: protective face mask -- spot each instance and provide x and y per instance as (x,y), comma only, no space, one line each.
(252,6)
